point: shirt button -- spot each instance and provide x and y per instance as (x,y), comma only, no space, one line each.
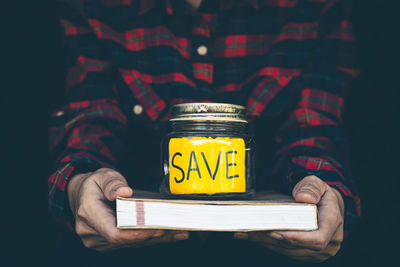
(59,114)
(202,50)
(137,109)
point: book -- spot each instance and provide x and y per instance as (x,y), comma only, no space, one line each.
(265,211)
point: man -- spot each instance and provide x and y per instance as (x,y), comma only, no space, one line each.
(288,61)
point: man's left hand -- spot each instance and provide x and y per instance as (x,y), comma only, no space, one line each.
(316,245)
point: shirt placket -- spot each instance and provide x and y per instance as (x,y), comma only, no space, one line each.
(202,59)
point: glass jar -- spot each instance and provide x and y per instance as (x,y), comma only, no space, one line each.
(208,154)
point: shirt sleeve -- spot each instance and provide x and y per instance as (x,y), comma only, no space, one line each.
(311,141)
(85,133)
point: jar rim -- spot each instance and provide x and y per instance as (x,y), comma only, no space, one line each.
(208,112)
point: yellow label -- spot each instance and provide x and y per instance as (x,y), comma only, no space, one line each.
(206,165)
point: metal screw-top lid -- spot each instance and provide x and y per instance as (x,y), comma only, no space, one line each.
(208,112)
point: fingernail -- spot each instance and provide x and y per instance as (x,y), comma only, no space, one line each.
(158,233)
(276,236)
(182,236)
(241,235)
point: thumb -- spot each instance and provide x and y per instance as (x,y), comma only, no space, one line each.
(113,185)
(309,190)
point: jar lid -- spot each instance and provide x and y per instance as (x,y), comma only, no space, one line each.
(208,112)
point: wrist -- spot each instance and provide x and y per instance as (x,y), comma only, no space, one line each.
(74,190)
(340,199)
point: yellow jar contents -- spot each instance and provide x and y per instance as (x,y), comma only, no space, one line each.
(206,165)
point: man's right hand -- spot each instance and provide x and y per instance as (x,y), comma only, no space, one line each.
(89,197)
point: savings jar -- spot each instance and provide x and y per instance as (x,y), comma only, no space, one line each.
(208,154)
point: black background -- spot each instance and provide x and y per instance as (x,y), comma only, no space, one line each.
(32,87)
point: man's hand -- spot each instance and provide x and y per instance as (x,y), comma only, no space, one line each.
(316,245)
(89,197)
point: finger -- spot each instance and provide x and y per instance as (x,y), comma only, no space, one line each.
(83,229)
(90,237)
(148,236)
(265,239)
(307,254)
(309,190)
(167,237)
(285,248)
(101,217)
(170,236)
(181,235)
(241,235)
(113,184)
(329,222)
(262,238)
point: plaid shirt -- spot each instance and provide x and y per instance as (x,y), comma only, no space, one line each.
(128,61)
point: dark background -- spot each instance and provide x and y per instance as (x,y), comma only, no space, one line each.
(32,87)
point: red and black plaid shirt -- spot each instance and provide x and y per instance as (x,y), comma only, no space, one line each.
(128,61)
